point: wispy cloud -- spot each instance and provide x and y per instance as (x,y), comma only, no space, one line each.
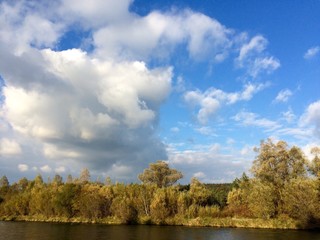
(283,95)
(212,99)
(252,119)
(289,116)
(256,45)
(312,52)
(254,58)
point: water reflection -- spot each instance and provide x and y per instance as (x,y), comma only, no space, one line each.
(52,231)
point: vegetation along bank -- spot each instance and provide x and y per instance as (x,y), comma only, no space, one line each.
(283,192)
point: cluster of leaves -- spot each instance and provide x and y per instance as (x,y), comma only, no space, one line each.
(284,185)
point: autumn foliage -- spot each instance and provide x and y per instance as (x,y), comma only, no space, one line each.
(284,185)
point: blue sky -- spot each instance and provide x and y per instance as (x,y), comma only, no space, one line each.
(115,85)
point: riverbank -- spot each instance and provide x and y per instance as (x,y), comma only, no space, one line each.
(227,222)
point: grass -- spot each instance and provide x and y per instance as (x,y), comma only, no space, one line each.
(277,223)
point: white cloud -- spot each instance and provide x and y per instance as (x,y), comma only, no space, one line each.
(95,13)
(9,147)
(175,129)
(289,116)
(60,169)
(157,34)
(46,169)
(267,64)
(23,167)
(210,160)
(283,95)
(312,52)
(17,26)
(307,150)
(256,45)
(252,56)
(211,100)
(252,119)
(53,152)
(82,103)
(205,131)
(312,117)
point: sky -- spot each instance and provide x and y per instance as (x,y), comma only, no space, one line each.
(115,85)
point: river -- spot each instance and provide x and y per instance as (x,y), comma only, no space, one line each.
(57,231)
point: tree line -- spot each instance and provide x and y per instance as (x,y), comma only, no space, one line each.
(284,184)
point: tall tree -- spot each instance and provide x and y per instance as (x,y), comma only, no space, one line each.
(315,164)
(4,182)
(277,165)
(58,180)
(160,174)
(84,176)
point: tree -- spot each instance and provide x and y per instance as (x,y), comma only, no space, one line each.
(57,179)
(69,179)
(160,174)
(301,200)
(4,186)
(277,165)
(84,176)
(315,164)
(4,182)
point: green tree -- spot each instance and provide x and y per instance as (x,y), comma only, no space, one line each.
(64,199)
(300,198)
(159,206)
(199,193)
(277,164)
(315,163)
(4,185)
(160,174)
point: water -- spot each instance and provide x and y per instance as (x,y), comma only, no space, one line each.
(53,231)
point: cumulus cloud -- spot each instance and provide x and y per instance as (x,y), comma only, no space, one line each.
(211,100)
(312,117)
(9,147)
(283,95)
(157,34)
(23,167)
(95,13)
(312,52)
(92,108)
(60,169)
(17,25)
(46,169)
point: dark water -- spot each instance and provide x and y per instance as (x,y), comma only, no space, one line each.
(51,231)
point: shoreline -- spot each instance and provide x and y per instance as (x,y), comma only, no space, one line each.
(227,222)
